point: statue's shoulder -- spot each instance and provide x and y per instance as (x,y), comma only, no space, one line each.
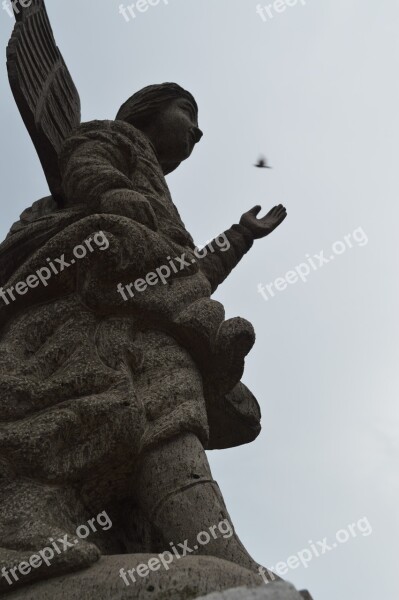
(115,132)
(107,127)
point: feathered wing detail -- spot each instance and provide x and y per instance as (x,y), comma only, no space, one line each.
(43,88)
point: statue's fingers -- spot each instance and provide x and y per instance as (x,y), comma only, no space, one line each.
(255,210)
(275,210)
(281,210)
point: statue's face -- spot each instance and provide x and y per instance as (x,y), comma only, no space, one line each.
(175,133)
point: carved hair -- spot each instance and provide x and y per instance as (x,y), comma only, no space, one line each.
(140,108)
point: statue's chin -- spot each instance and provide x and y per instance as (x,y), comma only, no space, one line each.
(169,167)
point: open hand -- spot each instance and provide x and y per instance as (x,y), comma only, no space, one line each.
(262,227)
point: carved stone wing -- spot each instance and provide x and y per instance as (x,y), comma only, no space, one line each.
(43,88)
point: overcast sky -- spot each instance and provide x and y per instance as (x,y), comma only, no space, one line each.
(315,88)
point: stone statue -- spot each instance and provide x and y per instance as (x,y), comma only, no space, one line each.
(117,369)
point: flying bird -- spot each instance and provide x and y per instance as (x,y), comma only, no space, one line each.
(262,163)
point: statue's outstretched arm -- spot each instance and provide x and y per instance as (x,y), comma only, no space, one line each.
(95,164)
(221,258)
(224,253)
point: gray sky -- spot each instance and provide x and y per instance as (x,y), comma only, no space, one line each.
(316,89)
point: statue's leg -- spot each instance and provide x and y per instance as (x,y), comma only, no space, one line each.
(177,493)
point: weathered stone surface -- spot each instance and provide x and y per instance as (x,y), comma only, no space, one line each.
(275,591)
(186,580)
(111,389)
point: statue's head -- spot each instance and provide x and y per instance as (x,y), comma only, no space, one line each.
(168,115)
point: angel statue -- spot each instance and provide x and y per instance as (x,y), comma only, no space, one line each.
(116,378)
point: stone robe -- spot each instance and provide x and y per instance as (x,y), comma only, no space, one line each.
(88,380)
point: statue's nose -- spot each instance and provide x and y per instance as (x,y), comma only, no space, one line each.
(197,134)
